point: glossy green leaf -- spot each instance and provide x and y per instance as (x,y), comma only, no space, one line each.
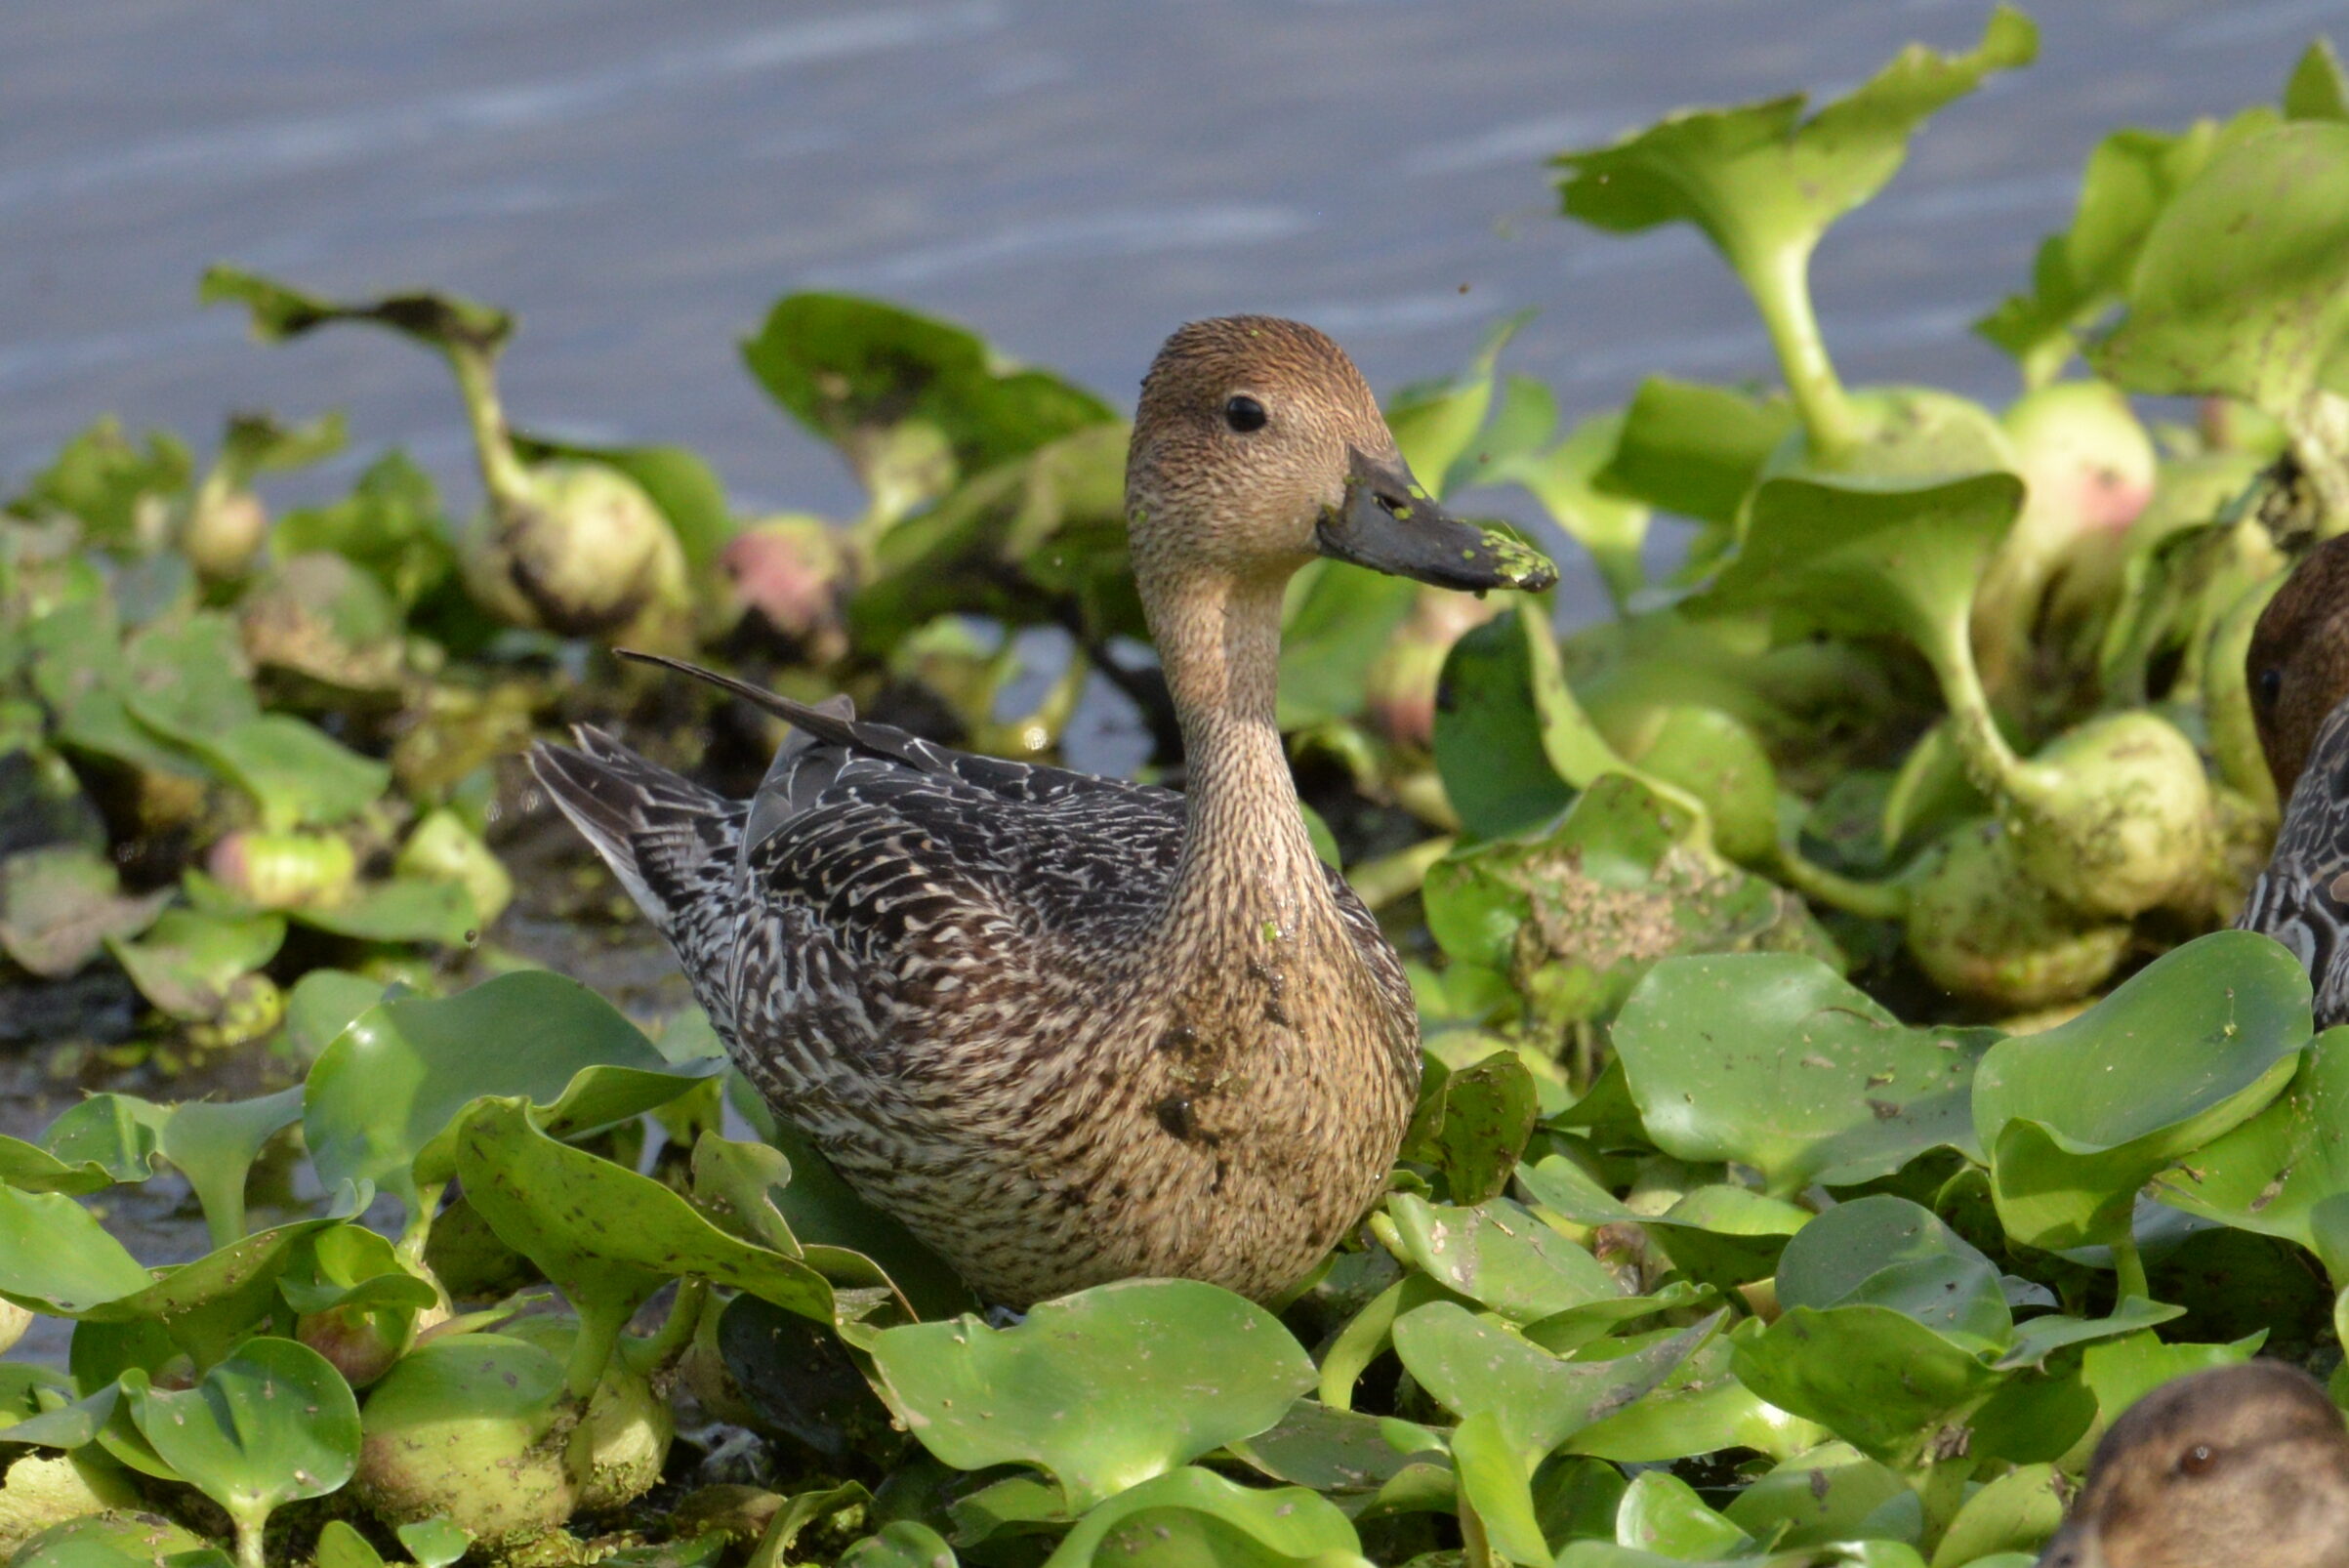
(386,1090)
(1762,177)
(1889,1252)
(295,772)
(1694,450)
(2258,316)
(101,476)
(1716,1233)
(1495,1490)
(1699,1408)
(1499,1255)
(1339,618)
(1473,1365)
(2013,1512)
(56,1257)
(433,1543)
(1663,1513)
(1104,1388)
(1867,559)
(189,964)
(1772,1060)
(608,1236)
(391,524)
(1471,1122)
(1488,748)
(2080,273)
(340,1546)
(1193,1516)
(860,374)
(1435,423)
(2283,1172)
(1339,1452)
(321,1005)
(1820,1494)
(1872,1375)
(272,1424)
(2078,1118)
(214,1144)
(901,1544)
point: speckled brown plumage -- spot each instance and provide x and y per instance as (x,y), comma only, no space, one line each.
(1071,1029)
(2244,1467)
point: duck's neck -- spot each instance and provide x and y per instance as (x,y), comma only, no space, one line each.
(1246,858)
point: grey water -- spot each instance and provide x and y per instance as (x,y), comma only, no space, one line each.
(1073,177)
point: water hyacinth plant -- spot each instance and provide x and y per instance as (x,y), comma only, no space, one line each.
(1839,1102)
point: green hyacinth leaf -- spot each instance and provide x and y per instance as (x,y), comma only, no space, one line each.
(2258,316)
(1103,1389)
(2283,1172)
(1497,1254)
(2078,1118)
(382,1096)
(1871,1375)
(1192,1516)
(1473,1365)
(272,1424)
(55,1257)
(1773,1060)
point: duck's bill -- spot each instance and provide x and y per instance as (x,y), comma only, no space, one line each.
(1385,524)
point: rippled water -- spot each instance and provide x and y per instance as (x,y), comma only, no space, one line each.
(1071,177)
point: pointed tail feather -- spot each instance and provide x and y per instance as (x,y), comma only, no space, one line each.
(670,841)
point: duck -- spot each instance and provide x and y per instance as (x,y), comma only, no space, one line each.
(2245,1465)
(2296,668)
(1070,1029)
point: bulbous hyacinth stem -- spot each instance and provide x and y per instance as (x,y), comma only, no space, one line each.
(1779,279)
(501,471)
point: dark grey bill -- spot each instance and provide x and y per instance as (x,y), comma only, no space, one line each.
(1385,524)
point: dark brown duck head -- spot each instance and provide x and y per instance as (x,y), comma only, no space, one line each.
(2244,1467)
(1258,446)
(2299,663)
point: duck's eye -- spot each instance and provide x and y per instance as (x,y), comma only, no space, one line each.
(2198,1459)
(2268,686)
(1245,414)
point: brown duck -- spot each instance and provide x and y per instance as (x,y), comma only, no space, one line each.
(2298,669)
(1072,1029)
(2244,1467)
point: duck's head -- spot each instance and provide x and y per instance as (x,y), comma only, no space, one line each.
(1258,446)
(2299,663)
(2241,1465)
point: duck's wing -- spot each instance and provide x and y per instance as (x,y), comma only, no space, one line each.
(2302,898)
(1080,842)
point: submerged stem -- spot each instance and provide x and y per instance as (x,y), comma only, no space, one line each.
(1947,646)
(1779,279)
(249,1522)
(1870,900)
(676,1332)
(592,1350)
